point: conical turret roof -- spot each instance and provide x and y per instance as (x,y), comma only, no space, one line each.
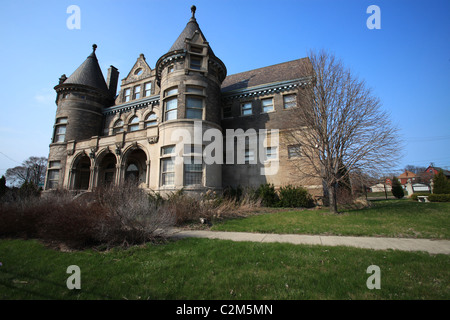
(89,73)
(188,32)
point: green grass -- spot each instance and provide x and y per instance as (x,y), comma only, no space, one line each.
(217,269)
(389,218)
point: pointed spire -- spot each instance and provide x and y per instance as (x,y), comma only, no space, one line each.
(193,9)
(188,32)
(89,73)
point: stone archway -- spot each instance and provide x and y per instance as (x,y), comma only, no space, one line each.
(135,167)
(81,173)
(107,170)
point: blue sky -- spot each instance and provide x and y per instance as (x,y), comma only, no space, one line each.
(406,62)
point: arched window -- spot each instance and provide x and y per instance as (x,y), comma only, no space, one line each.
(133,125)
(151,120)
(118,126)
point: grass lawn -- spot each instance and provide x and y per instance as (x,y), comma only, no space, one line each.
(217,269)
(389,218)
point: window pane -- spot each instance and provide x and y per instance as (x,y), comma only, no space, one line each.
(246,109)
(134,120)
(271,153)
(60,129)
(171,104)
(194,113)
(267,105)
(147,89)
(133,127)
(118,123)
(197,90)
(61,120)
(289,101)
(171,91)
(171,115)
(53,174)
(127,95)
(196,63)
(167,150)
(294,151)
(192,102)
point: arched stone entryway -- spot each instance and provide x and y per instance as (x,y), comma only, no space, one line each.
(81,173)
(107,170)
(136,167)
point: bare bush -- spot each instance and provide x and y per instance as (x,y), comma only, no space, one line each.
(135,217)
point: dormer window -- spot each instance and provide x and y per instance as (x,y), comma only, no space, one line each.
(196,62)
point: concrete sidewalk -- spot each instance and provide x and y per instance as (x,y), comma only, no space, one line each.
(403,244)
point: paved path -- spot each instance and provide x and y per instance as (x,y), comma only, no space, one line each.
(404,244)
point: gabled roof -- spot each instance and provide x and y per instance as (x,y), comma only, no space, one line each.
(290,70)
(89,73)
(407,174)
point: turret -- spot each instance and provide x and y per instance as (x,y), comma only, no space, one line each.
(80,101)
(190,77)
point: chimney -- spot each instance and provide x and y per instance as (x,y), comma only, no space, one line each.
(112,80)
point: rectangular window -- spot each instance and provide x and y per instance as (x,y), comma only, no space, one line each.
(137,92)
(271,153)
(193,173)
(246,109)
(171,92)
(60,130)
(289,101)
(294,151)
(196,63)
(53,174)
(126,95)
(267,105)
(226,112)
(147,89)
(167,172)
(167,150)
(170,69)
(194,108)
(196,90)
(171,108)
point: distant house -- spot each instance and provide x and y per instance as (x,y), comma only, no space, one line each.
(406,177)
(380,187)
(435,170)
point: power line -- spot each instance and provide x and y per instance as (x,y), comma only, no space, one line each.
(10,158)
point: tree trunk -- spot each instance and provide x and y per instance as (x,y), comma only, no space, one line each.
(332,198)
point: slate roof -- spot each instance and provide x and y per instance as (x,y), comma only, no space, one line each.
(89,74)
(285,71)
(188,33)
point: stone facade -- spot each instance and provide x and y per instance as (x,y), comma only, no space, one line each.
(103,137)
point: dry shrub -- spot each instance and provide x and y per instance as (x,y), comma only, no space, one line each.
(134,216)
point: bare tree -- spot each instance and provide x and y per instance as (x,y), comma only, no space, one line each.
(339,126)
(32,170)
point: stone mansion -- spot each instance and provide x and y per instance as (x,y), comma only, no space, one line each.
(103,135)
